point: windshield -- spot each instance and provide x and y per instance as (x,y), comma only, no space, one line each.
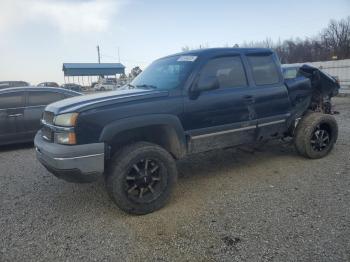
(166,73)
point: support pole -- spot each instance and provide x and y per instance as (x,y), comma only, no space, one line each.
(118,55)
(98,54)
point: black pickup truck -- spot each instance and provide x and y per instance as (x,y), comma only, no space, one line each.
(183,104)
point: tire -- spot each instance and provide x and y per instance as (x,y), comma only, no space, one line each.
(135,190)
(316,135)
(102,88)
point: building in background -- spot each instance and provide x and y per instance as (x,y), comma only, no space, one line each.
(86,74)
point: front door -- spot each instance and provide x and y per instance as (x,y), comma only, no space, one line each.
(11,117)
(224,116)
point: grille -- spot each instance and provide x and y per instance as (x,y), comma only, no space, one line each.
(48,117)
(47,133)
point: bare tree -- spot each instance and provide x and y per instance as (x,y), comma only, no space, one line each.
(185,48)
(188,48)
(336,38)
(332,43)
(135,72)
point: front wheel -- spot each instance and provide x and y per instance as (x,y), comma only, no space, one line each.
(141,177)
(316,135)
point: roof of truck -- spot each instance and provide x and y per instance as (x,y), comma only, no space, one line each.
(223,50)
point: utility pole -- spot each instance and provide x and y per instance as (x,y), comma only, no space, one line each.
(98,54)
(118,55)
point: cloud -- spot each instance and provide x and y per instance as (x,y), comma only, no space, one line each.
(74,16)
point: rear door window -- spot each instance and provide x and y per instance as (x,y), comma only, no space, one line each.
(290,73)
(12,100)
(41,98)
(229,72)
(264,69)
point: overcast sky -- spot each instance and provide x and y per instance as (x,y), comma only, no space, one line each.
(37,36)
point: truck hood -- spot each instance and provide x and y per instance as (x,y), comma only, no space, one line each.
(90,101)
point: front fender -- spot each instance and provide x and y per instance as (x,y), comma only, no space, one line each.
(118,126)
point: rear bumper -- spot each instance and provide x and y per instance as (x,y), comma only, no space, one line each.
(79,163)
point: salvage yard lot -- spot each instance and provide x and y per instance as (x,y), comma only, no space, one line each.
(267,204)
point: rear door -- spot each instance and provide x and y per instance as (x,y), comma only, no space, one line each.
(35,104)
(271,100)
(12,127)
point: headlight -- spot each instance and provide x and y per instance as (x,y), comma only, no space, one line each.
(66,138)
(66,119)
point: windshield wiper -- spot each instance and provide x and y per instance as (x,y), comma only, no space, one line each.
(147,86)
(130,85)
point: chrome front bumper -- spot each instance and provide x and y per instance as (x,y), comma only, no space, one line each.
(78,163)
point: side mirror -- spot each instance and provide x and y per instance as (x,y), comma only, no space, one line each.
(205,84)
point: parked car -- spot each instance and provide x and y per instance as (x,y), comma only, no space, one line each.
(21,109)
(72,86)
(184,104)
(7,84)
(106,84)
(93,84)
(48,84)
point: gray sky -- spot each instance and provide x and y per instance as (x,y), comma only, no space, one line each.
(37,36)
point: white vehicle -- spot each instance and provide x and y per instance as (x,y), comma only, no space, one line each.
(106,84)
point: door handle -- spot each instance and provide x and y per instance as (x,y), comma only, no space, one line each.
(15,115)
(249,98)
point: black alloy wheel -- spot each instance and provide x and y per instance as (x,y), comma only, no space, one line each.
(320,139)
(141,177)
(144,180)
(315,135)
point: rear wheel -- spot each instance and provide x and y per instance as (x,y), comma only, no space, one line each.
(316,135)
(141,178)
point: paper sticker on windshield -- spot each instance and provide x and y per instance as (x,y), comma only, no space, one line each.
(187,58)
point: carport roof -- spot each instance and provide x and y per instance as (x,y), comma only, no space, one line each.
(92,69)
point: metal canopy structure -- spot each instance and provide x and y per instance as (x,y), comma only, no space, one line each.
(92,69)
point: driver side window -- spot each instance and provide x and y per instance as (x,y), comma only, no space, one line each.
(228,71)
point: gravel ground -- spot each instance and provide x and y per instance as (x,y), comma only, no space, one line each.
(229,205)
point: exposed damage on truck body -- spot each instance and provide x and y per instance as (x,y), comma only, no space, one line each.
(311,90)
(324,87)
